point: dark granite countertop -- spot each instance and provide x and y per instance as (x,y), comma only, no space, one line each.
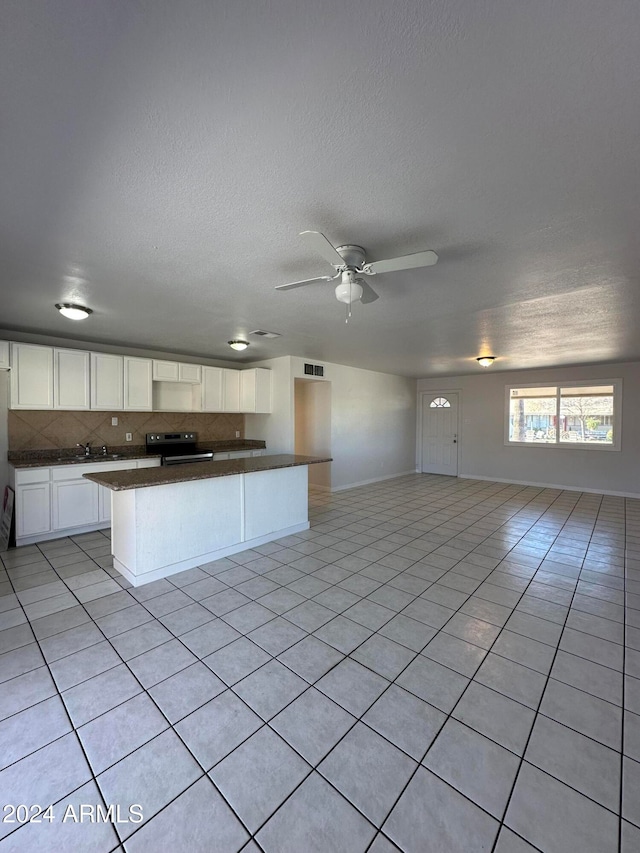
(141,478)
(120,453)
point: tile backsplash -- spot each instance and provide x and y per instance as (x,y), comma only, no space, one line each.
(55,430)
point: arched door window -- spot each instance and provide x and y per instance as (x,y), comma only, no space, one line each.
(440,403)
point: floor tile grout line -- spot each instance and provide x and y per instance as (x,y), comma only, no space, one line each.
(420,764)
(169,727)
(77,739)
(624,683)
(537,712)
(414,599)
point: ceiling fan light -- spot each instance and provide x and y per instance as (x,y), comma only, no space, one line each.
(73,312)
(238,345)
(349,291)
(486,360)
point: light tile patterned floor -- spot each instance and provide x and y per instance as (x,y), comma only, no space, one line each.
(437,665)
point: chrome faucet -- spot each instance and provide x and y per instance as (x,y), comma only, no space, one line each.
(104,449)
(86,447)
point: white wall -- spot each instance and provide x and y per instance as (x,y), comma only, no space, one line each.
(372,423)
(312,406)
(481,442)
(373,420)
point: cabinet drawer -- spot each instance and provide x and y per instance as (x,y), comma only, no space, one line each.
(32,475)
(77,471)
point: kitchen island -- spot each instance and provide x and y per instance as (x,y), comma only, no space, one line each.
(169,519)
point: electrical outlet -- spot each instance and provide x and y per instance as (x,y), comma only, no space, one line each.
(128,436)
(237,433)
(114,422)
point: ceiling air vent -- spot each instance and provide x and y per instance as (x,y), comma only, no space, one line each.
(262,334)
(313,370)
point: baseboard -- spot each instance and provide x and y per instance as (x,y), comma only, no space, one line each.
(373,480)
(60,534)
(201,559)
(550,486)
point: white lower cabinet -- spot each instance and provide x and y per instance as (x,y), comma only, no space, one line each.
(74,503)
(58,501)
(33,509)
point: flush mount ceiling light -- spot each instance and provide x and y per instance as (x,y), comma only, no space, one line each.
(238,345)
(486,360)
(73,312)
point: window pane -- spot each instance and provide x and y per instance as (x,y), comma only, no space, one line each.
(586,414)
(532,419)
(533,392)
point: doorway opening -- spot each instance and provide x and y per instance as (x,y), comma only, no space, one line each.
(312,431)
(439,433)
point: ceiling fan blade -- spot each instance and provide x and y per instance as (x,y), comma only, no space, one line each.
(407,262)
(302,283)
(368,293)
(323,247)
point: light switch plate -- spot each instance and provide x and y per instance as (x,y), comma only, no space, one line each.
(114,422)
(128,436)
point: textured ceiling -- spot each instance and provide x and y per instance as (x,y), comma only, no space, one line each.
(159,158)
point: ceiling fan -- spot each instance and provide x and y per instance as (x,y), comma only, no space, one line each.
(350,263)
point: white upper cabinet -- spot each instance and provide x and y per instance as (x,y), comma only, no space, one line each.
(107,381)
(211,389)
(255,390)
(230,390)
(138,395)
(31,377)
(190,373)
(165,371)
(173,371)
(4,355)
(71,379)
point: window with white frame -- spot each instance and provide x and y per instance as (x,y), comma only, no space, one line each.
(579,414)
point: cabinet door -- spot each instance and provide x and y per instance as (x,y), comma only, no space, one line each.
(31,377)
(70,379)
(230,390)
(33,509)
(255,390)
(75,503)
(4,355)
(137,384)
(165,371)
(190,373)
(106,381)
(248,390)
(212,389)
(263,390)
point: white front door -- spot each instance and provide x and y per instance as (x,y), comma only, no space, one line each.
(440,433)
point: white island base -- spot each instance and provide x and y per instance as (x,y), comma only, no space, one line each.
(160,530)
